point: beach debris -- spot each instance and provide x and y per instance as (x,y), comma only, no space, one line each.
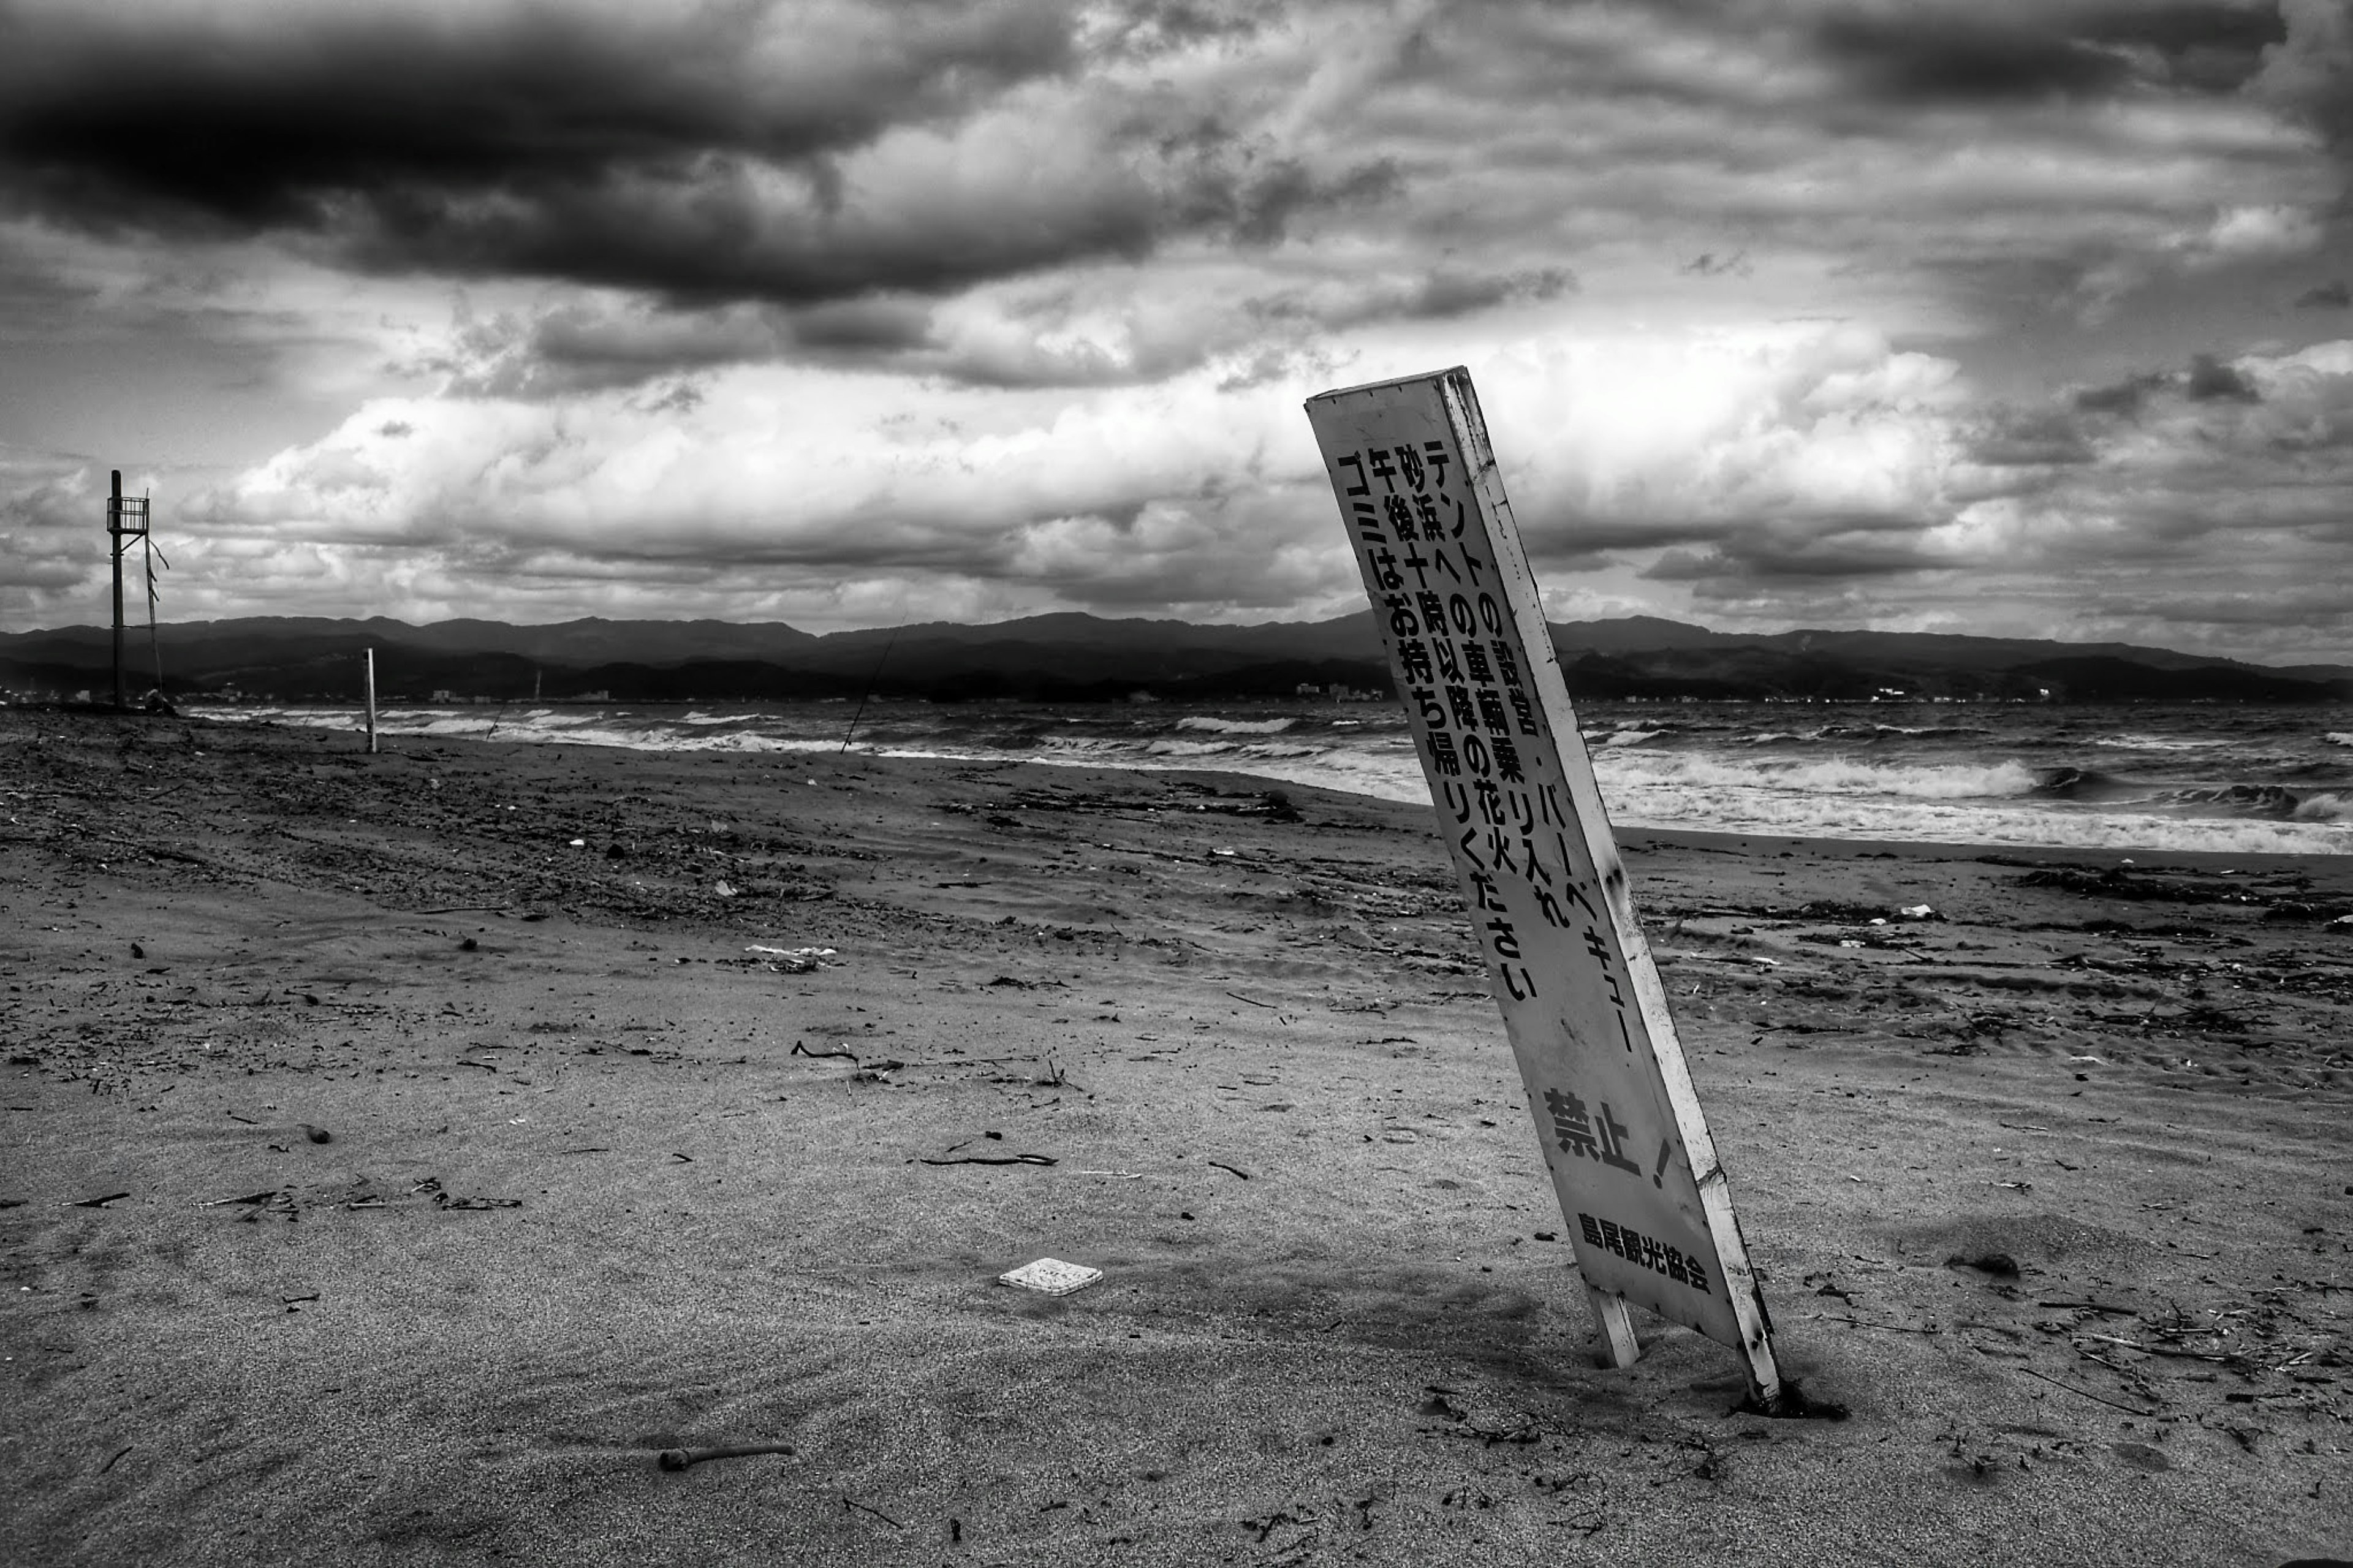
(1051,1277)
(315,1134)
(2085,1393)
(851,1504)
(680,1459)
(953,1158)
(96,1203)
(723,890)
(1917,912)
(444,1201)
(137,950)
(791,960)
(579,844)
(801,1050)
(260,1198)
(1237,1170)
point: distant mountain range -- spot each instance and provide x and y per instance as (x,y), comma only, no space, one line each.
(1073,658)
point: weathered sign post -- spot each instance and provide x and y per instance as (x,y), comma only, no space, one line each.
(1647,1205)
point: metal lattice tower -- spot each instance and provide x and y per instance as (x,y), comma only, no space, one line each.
(126,520)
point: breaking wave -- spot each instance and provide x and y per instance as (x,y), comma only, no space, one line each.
(1840,776)
(1236,726)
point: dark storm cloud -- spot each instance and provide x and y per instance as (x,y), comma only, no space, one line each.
(1976,54)
(1445,294)
(1913,56)
(2330,296)
(1824,547)
(2203,46)
(866,326)
(579,346)
(2027,438)
(1821,559)
(599,147)
(2309,73)
(2208,379)
(2125,396)
(2212,381)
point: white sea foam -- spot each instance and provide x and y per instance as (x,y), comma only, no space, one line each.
(2132,742)
(2323,808)
(1834,776)
(1236,726)
(1630,737)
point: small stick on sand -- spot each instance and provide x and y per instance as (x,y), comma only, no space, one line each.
(679,1459)
(2127,1409)
(850,1502)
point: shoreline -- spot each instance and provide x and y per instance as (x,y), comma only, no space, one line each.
(1274,777)
(600,1180)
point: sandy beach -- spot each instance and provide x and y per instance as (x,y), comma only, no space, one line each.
(401,1151)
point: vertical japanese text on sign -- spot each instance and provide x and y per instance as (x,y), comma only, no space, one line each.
(1632,1163)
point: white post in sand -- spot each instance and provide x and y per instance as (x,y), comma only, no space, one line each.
(371,701)
(1647,1204)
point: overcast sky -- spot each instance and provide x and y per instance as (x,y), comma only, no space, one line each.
(2006,317)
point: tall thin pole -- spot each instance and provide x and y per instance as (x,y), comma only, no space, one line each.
(114,546)
(371,701)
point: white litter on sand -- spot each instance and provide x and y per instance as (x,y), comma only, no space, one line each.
(1051,1277)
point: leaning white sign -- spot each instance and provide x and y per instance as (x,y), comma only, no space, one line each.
(1647,1203)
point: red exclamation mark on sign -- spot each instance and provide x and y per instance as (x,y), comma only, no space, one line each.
(1666,1152)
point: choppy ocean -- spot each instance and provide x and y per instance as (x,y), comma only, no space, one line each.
(2191,776)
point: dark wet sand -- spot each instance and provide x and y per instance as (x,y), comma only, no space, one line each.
(599,1181)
